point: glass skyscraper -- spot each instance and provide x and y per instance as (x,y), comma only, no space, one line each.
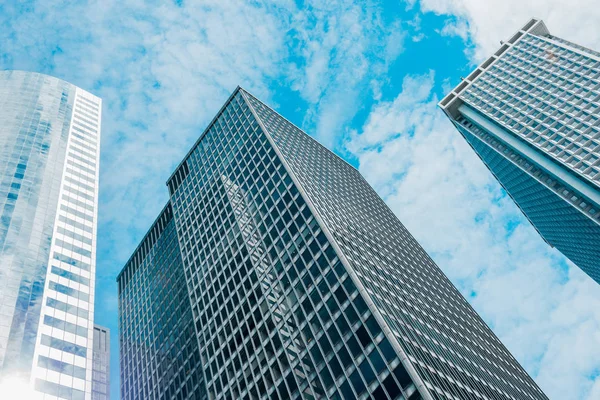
(275,271)
(531,112)
(101,364)
(49,154)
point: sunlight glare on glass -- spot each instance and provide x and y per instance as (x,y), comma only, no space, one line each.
(16,388)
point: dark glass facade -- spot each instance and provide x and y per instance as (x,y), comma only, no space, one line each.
(303,284)
(158,349)
(531,112)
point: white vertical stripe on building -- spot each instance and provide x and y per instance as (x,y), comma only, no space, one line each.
(70,278)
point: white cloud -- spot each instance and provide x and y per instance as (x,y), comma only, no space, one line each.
(545,310)
(490,21)
(342,44)
(418,37)
(455,28)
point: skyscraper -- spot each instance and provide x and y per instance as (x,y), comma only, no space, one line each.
(531,112)
(49,154)
(275,271)
(101,364)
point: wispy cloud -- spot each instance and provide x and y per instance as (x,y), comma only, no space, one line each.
(544,309)
(456,28)
(341,46)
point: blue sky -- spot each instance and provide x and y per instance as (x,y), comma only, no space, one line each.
(362,78)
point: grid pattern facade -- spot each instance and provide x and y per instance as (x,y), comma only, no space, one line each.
(544,92)
(50,132)
(448,345)
(277,314)
(101,364)
(296,270)
(541,204)
(158,349)
(549,95)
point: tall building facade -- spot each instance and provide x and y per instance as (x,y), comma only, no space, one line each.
(531,112)
(101,364)
(288,277)
(49,155)
(158,349)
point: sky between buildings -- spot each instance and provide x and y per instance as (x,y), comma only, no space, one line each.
(364,79)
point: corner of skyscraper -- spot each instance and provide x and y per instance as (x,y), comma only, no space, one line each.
(49,136)
(275,271)
(531,112)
